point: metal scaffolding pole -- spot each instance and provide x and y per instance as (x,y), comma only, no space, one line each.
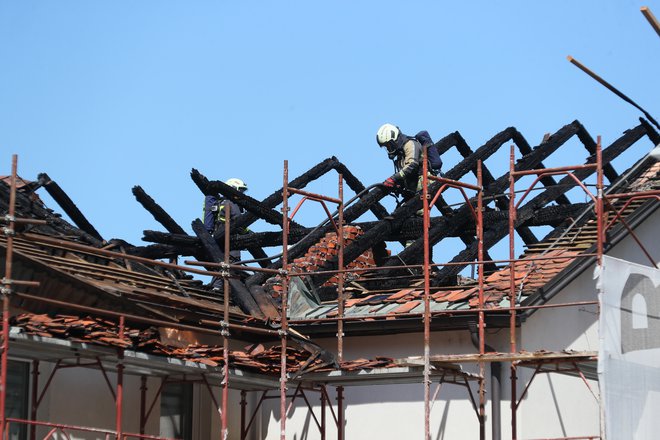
(143,404)
(6,291)
(225,328)
(285,295)
(340,275)
(34,405)
(482,335)
(427,300)
(119,396)
(340,413)
(478,217)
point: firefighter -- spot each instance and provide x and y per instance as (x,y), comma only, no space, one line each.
(406,153)
(214,212)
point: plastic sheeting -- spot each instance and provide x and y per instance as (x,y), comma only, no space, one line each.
(629,357)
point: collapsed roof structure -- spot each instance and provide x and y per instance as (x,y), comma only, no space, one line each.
(67,282)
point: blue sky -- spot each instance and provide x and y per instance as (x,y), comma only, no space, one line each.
(107,95)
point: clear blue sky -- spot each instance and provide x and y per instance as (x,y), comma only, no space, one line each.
(105,95)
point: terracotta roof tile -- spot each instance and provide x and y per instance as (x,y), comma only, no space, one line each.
(406,308)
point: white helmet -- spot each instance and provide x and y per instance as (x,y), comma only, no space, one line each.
(386,134)
(237,184)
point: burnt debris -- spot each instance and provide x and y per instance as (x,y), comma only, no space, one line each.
(550,207)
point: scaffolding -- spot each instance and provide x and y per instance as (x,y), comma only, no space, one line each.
(444,367)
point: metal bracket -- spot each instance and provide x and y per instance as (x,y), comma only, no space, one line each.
(282,333)
(9,218)
(283,272)
(9,232)
(225,328)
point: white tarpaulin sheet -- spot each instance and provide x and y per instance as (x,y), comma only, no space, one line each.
(629,357)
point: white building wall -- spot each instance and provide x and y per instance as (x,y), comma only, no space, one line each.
(555,405)
(558,405)
(390,411)
(80,396)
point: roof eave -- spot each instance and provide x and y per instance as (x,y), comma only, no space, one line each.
(579,265)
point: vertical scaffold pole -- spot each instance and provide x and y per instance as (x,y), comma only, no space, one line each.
(600,214)
(34,406)
(225,325)
(340,275)
(512,255)
(120,382)
(482,324)
(340,413)
(600,220)
(512,287)
(243,413)
(323,422)
(6,291)
(285,295)
(143,404)
(427,301)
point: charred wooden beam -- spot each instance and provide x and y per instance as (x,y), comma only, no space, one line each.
(410,229)
(70,208)
(29,207)
(257,253)
(353,183)
(483,153)
(158,251)
(590,146)
(498,140)
(492,236)
(159,214)
(527,162)
(215,187)
(650,131)
(300,182)
(350,214)
(240,295)
(381,229)
(525,148)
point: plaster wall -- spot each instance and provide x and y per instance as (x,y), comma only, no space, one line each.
(80,396)
(391,411)
(558,405)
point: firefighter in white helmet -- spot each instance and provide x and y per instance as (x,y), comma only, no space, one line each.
(214,212)
(406,152)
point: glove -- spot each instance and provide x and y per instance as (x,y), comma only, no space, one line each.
(389,183)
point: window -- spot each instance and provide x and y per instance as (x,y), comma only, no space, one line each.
(18,386)
(176,411)
(640,318)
